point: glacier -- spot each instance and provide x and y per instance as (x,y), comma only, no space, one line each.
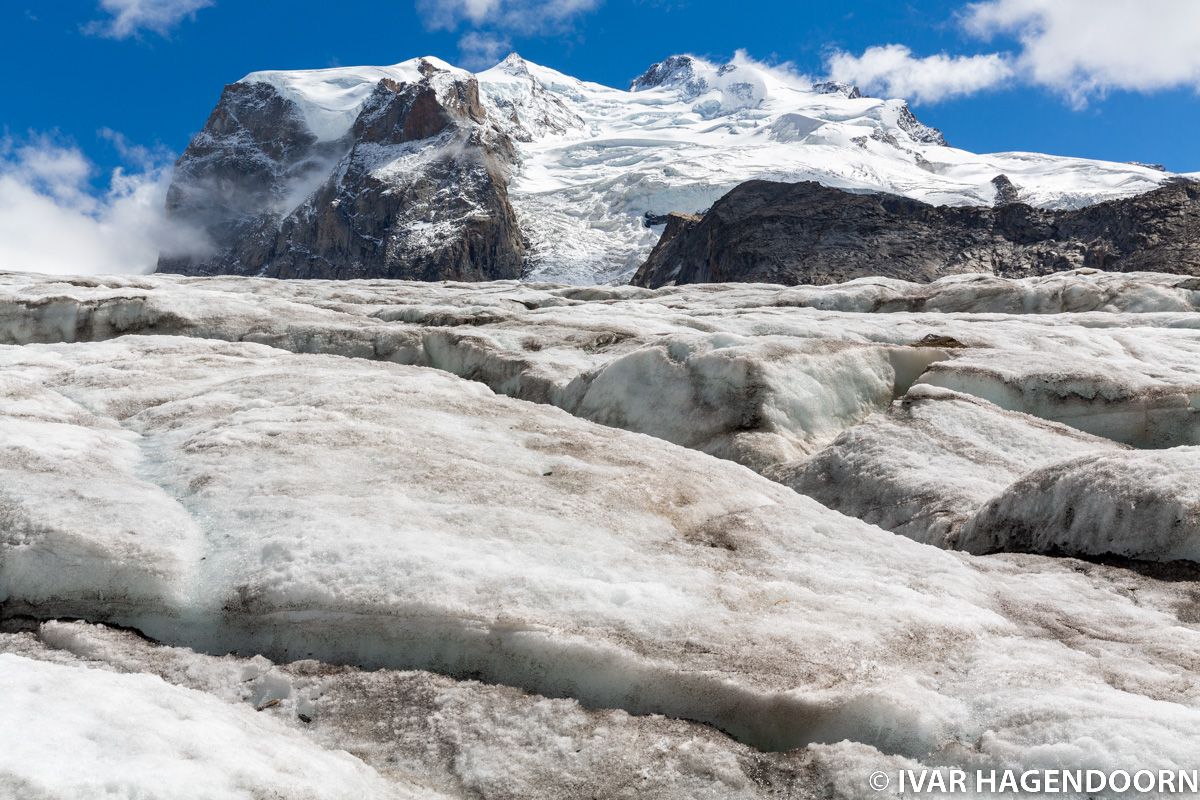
(481,540)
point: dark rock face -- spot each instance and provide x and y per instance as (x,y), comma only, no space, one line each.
(416,190)
(1006,191)
(793,233)
(236,176)
(919,130)
(675,71)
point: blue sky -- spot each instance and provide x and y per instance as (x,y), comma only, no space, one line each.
(101,95)
(72,74)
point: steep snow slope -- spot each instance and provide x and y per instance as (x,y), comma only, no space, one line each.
(594,160)
(689,131)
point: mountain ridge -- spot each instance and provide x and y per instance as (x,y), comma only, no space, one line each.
(572,171)
(805,233)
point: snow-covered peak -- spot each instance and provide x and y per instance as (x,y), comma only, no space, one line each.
(687,72)
(330,99)
(531,102)
(717,89)
(513,64)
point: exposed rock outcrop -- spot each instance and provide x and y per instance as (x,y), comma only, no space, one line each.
(674,71)
(806,233)
(416,189)
(847,90)
(1006,191)
(918,130)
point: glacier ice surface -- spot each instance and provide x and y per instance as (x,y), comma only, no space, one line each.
(241,466)
(1137,504)
(931,460)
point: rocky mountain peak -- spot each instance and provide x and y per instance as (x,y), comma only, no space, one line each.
(416,188)
(522,105)
(918,130)
(427,67)
(677,70)
(513,64)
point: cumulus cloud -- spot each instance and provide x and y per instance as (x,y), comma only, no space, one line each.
(131,17)
(1084,48)
(52,221)
(479,50)
(894,71)
(517,16)
(1081,48)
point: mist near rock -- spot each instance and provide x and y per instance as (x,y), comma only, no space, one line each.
(53,221)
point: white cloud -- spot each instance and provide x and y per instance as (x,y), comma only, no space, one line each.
(479,50)
(51,221)
(130,17)
(448,14)
(1081,48)
(894,71)
(784,71)
(1086,47)
(517,16)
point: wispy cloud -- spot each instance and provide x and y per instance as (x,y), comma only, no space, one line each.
(1079,48)
(130,17)
(517,16)
(893,70)
(1084,48)
(481,49)
(490,24)
(52,221)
